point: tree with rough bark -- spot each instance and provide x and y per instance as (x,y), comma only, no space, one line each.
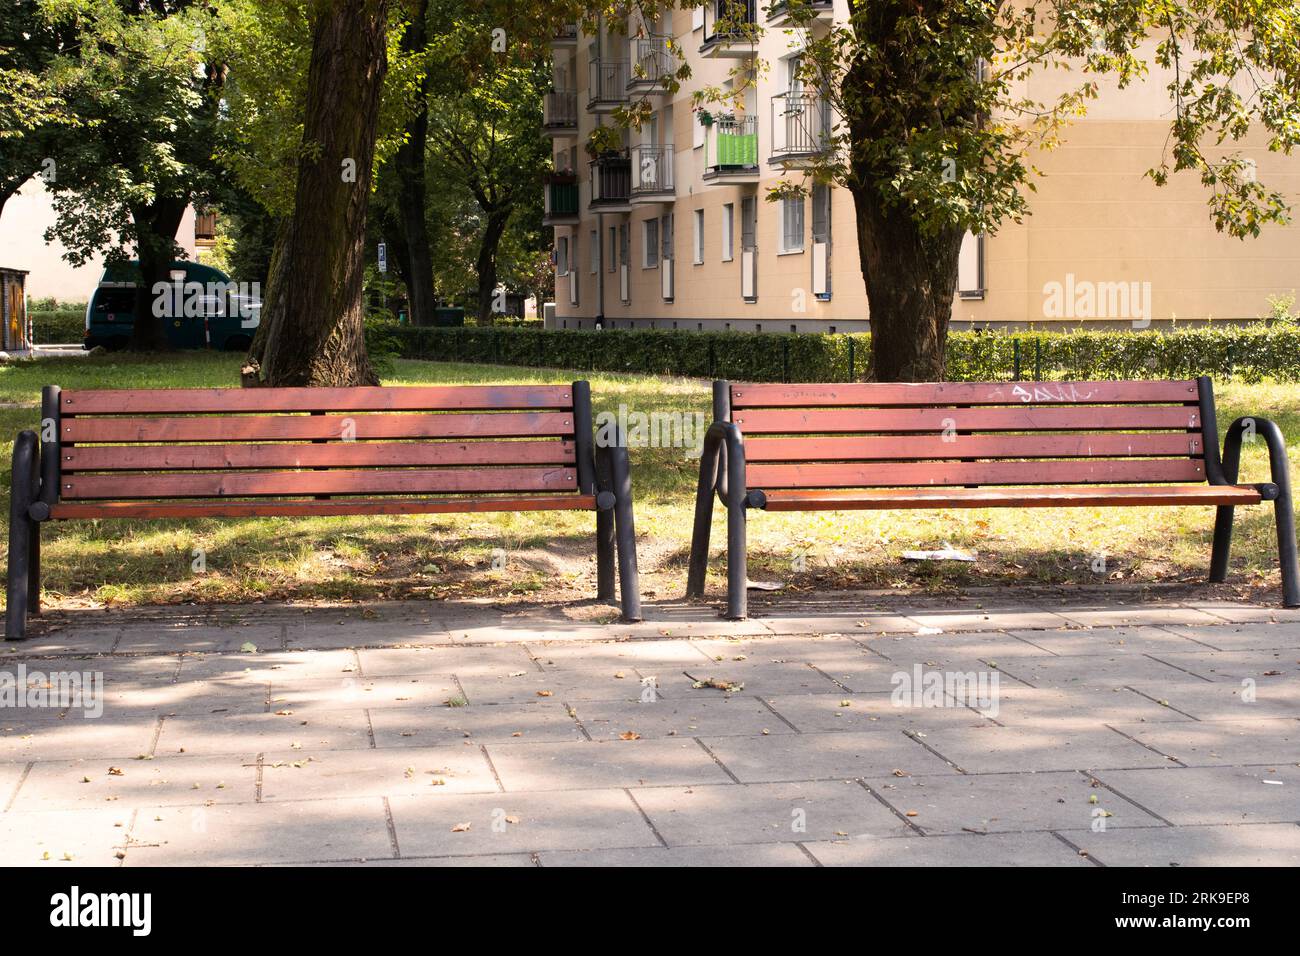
(937,124)
(312,330)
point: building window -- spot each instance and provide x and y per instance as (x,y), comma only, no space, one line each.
(562,256)
(792,208)
(650,244)
(595,251)
(613,248)
(728,232)
(970,267)
(698,255)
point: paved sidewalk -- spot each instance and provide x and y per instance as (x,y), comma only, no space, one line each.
(1046,732)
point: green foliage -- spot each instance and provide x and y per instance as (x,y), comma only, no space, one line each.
(1249,353)
(50,326)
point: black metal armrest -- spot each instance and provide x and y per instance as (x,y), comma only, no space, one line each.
(1279,464)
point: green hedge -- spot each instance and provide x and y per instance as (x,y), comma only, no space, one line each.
(1248,352)
(58,326)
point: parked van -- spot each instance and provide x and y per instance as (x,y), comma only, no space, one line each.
(201,308)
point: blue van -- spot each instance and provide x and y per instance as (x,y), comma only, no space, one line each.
(201,309)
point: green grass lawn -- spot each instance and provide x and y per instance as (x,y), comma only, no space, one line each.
(549,555)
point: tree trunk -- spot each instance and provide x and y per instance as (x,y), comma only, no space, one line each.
(155,239)
(312,330)
(409,165)
(487,262)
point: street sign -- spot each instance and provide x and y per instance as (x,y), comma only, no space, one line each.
(383,257)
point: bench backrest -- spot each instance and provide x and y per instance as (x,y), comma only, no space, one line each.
(969,433)
(315,442)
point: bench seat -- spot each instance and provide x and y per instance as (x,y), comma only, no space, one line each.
(886,499)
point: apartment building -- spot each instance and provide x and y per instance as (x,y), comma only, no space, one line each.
(673,230)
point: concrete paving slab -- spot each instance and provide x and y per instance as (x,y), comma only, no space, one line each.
(453,824)
(1236,666)
(11,774)
(277,666)
(64,838)
(834,756)
(185,697)
(246,834)
(1137,615)
(349,692)
(405,661)
(993,749)
(864,623)
(63,639)
(174,781)
(616,656)
(832,713)
(1244,636)
(346,631)
(1201,795)
(479,723)
(1098,672)
(747,855)
(527,684)
(327,774)
(1210,743)
(1089,641)
(724,715)
(158,636)
(1082,708)
(757,677)
(1222,700)
(966,849)
(75,737)
(1012,802)
(597,764)
(1275,844)
(766,813)
(308,729)
(970,645)
(983,619)
(1238,613)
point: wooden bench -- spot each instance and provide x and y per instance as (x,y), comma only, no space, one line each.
(977,445)
(239,453)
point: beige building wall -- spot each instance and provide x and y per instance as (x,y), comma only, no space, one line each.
(23,222)
(1101,231)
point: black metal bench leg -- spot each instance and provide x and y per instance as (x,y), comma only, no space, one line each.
(605,555)
(34,568)
(1222,543)
(1284,513)
(625,531)
(20,583)
(737,540)
(699,565)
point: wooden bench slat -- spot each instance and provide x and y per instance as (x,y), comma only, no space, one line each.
(960,393)
(903,447)
(308,427)
(403,398)
(332,455)
(1038,418)
(936,473)
(353,506)
(1039,497)
(234,484)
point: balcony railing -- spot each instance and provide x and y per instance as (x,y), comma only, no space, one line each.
(779,12)
(560,111)
(608,86)
(801,124)
(652,170)
(731,144)
(729,21)
(561,197)
(651,62)
(611,179)
(566,35)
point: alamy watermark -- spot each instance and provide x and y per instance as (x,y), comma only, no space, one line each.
(240,300)
(922,688)
(652,430)
(1084,299)
(58,690)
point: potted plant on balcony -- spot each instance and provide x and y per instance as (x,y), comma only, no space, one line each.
(603,142)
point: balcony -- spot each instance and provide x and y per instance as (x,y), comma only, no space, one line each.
(805,13)
(731,150)
(652,174)
(566,37)
(651,62)
(801,126)
(607,89)
(730,29)
(560,200)
(611,183)
(560,114)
